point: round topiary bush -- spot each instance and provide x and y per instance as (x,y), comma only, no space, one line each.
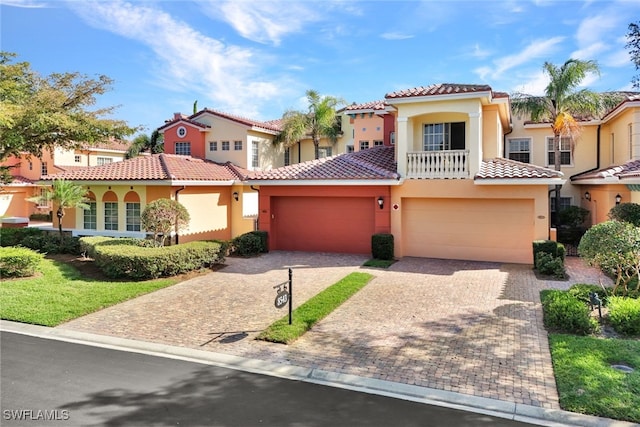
(565,313)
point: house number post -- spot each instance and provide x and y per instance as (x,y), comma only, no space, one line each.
(284,292)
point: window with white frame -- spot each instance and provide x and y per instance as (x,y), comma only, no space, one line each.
(76,158)
(110,215)
(254,154)
(444,136)
(132,211)
(287,156)
(324,152)
(44,197)
(364,145)
(104,160)
(378,143)
(91,216)
(237,145)
(43,168)
(213,145)
(183,148)
(225,145)
(519,149)
(565,202)
(565,151)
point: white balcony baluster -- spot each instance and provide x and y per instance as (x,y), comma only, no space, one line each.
(438,164)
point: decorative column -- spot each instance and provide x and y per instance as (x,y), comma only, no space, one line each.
(402,142)
(474,145)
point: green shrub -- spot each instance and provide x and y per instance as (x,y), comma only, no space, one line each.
(18,262)
(125,258)
(547,246)
(581,291)
(565,313)
(550,265)
(624,315)
(41,217)
(50,244)
(264,240)
(627,212)
(382,246)
(247,244)
(14,236)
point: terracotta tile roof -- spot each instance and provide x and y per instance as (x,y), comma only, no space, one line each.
(270,125)
(156,167)
(182,118)
(373,163)
(373,105)
(114,145)
(20,180)
(438,89)
(500,168)
(627,170)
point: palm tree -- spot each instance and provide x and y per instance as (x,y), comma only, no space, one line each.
(319,121)
(143,142)
(564,104)
(65,194)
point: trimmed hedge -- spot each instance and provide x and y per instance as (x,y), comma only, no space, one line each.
(14,236)
(132,259)
(39,240)
(247,244)
(624,315)
(382,246)
(548,258)
(582,290)
(563,312)
(18,262)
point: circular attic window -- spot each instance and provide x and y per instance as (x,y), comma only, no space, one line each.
(181,131)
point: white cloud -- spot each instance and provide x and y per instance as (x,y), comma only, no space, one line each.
(24,3)
(262,21)
(395,36)
(534,85)
(589,52)
(536,49)
(186,59)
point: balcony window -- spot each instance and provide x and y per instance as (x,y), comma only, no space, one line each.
(520,149)
(565,151)
(255,161)
(324,152)
(183,148)
(444,136)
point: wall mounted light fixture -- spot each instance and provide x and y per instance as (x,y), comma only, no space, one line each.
(235,196)
(381,202)
(587,195)
(618,199)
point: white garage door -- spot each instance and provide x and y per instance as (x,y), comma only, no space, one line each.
(471,229)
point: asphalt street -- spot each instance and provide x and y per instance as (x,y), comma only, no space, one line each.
(47,382)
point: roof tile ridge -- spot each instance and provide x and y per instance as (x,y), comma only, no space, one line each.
(162,158)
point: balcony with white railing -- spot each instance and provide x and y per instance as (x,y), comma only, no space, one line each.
(438,164)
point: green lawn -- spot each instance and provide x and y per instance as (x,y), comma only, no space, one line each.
(586,382)
(315,309)
(60,294)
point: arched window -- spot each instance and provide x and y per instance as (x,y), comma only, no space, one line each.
(91,214)
(110,201)
(132,202)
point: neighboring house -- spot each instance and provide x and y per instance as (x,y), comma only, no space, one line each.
(450,194)
(28,169)
(213,193)
(371,124)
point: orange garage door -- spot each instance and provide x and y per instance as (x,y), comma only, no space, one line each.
(472,229)
(323,224)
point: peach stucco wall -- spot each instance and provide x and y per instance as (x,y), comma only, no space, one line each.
(603,198)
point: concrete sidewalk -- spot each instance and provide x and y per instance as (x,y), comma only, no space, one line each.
(469,328)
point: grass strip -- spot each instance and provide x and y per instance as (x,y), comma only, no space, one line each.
(314,310)
(586,381)
(59,294)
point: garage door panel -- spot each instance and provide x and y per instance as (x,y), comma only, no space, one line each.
(323,224)
(488,230)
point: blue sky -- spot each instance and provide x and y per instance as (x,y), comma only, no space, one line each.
(257,58)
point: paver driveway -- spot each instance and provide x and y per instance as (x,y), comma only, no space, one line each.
(467,327)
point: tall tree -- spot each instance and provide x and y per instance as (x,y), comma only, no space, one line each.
(162,216)
(319,121)
(66,195)
(52,111)
(153,143)
(564,104)
(633,44)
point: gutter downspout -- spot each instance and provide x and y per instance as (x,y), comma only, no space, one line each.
(256,226)
(176,196)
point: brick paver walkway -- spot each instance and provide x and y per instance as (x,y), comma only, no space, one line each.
(468,327)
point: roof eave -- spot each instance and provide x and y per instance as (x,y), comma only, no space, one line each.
(427,98)
(519,181)
(325,182)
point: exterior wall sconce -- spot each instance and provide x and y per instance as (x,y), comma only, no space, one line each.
(618,199)
(587,196)
(381,202)
(235,196)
